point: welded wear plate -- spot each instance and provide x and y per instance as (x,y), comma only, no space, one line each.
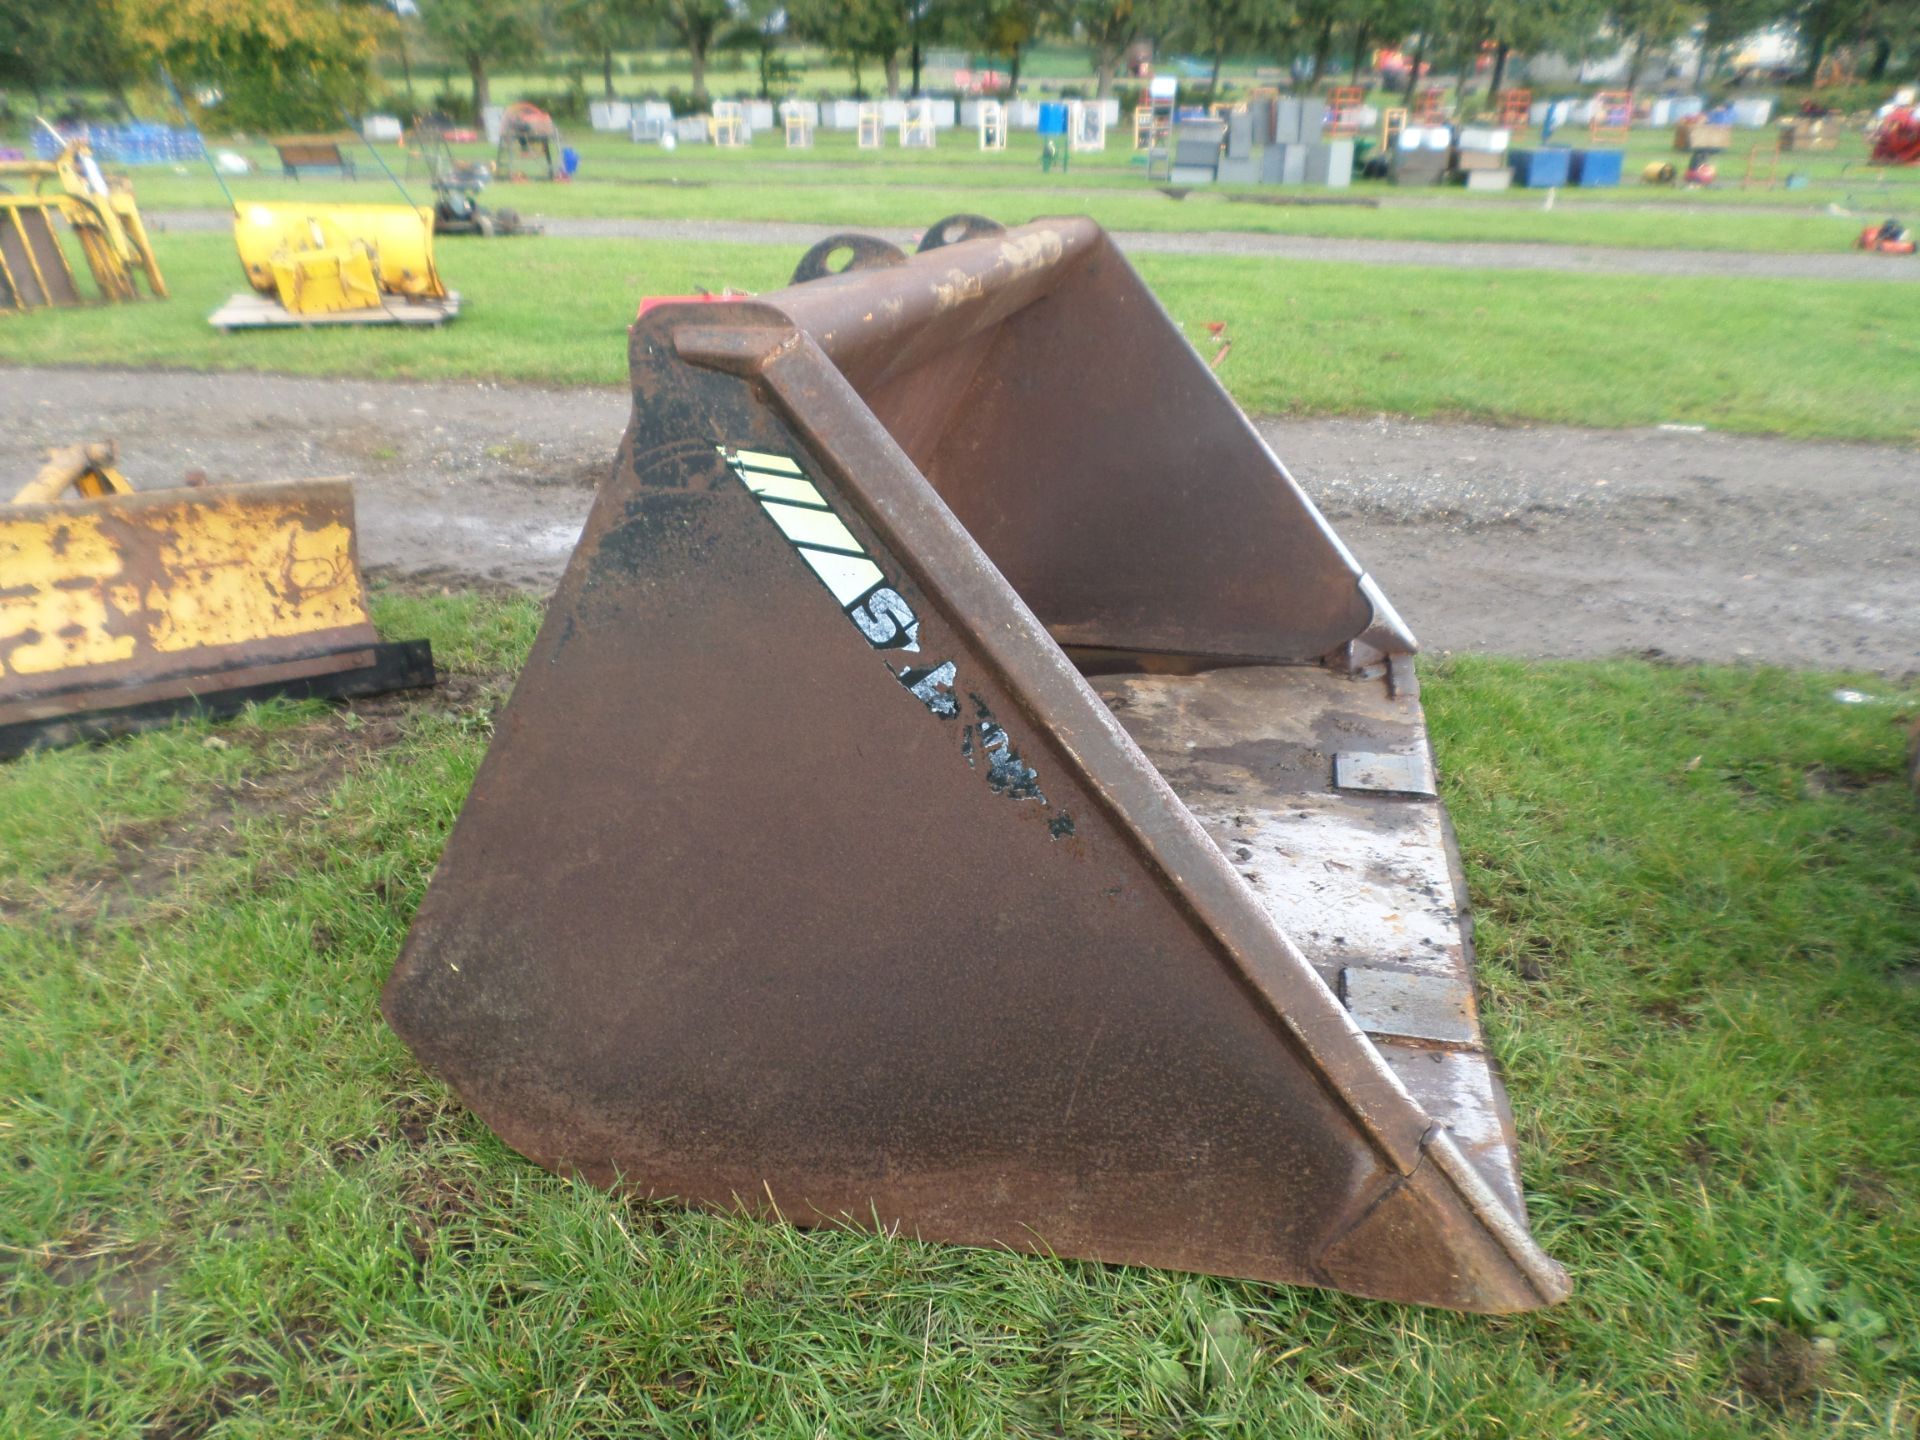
(1416,1007)
(1410,773)
(1363,879)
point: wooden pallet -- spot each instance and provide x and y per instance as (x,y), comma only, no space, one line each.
(252,311)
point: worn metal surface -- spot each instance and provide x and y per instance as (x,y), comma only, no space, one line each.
(84,714)
(34,270)
(806,871)
(1365,883)
(137,600)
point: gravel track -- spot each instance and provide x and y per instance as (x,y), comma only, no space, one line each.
(1592,259)
(1538,542)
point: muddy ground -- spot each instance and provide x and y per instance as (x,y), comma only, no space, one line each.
(1537,542)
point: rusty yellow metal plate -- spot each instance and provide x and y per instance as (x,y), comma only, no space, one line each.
(126,588)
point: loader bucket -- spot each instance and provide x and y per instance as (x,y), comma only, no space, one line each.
(122,609)
(320,258)
(963,785)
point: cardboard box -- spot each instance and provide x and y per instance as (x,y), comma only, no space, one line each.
(1808,135)
(1702,135)
(1479,160)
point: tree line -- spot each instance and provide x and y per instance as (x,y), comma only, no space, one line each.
(278,62)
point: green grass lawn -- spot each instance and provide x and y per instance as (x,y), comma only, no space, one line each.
(234,1206)
(1815,358)
(836,183)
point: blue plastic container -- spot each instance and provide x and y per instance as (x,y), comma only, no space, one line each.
(1597,167)
(125,144)
(1537,169)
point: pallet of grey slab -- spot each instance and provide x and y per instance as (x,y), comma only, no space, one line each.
(1198,146)
(1296,121)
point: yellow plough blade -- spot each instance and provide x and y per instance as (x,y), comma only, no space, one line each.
(318,258)
(123,609)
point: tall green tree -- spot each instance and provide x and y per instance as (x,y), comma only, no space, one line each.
(29,47)
(1110,29)
(597,28)
(1005,28)
(277,63)
(699,26)
(478,33)
(763,27)
(1880,26)
(1377,23)
(72,42)
(854,32)
(1651,26)
(1316,21)
(1723,24)
(1219,28)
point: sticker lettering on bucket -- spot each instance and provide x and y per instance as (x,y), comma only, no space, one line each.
(822,539)
(858,585)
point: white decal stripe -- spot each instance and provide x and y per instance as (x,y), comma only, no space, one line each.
(779,487)
(812,527)
(759,461)
(848,577)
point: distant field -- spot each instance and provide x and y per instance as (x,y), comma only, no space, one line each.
(1814,358)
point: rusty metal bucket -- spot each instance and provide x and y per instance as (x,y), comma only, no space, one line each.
(123,609)
(962,784)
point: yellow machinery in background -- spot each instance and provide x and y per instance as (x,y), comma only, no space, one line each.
(323,259)
(35,270)
(320,263)
(87,470)
(123,608)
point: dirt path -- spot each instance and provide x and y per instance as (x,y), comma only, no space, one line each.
(1537,542)
(1716,264)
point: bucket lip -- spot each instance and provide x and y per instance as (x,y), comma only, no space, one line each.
(655,302)
(947,562)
